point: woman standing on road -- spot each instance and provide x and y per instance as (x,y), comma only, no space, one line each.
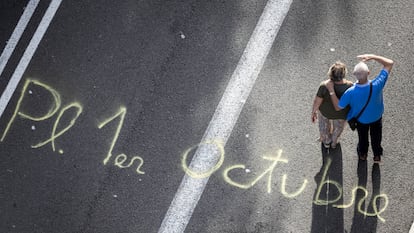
(331,122)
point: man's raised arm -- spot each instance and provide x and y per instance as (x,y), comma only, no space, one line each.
(335,101)
(386,62)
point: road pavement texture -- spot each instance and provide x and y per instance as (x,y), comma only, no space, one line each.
(105,105)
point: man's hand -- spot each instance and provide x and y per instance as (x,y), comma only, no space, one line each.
(366,57)
(386,62)
(330,86)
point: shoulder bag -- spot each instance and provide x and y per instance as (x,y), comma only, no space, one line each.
(353,122)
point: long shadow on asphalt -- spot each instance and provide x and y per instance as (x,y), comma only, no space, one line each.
(361,222)
(325,216)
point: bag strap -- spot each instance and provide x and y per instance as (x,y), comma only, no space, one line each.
(366,104)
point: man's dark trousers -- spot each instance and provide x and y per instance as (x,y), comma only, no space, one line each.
(375,131)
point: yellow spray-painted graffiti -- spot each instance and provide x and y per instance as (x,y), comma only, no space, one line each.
(319,201)
(121,158)
(291,195)
(124,161)
(275,160)
(17,111)
(121,113)
(55,135)
(360,203)
(203,174)
(269,171)
(52,111)
(119,161)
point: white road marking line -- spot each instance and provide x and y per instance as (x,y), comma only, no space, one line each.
(412,228)
(17,33)
(28,54)
(226,114)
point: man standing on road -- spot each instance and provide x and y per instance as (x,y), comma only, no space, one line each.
(370,120)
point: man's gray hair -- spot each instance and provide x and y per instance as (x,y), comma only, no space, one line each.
(361,70)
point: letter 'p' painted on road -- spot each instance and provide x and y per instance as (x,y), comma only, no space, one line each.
(52,110)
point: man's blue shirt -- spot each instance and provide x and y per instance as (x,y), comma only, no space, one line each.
(357,95)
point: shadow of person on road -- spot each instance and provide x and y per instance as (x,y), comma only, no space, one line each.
(359,218)
(366,219)
(325,216)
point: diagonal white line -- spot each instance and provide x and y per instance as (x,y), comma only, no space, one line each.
(17,33)
(226,114)
(412,228)
(28,54)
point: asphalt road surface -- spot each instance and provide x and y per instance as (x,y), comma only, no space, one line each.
(105,104)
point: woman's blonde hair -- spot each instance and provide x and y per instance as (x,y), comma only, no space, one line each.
(337,71)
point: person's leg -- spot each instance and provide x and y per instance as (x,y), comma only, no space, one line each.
(338,128)
(324,130)
(363,142)
(376,137)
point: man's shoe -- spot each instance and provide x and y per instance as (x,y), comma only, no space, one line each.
(363,157)
(377,159)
